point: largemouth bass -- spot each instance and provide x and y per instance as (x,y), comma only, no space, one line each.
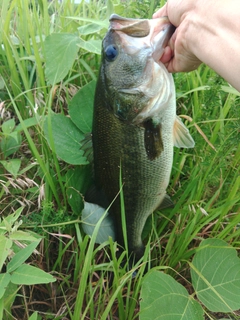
(134,125)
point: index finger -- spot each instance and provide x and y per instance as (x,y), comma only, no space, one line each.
(161,12)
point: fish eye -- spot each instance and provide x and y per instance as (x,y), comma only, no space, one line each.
(111,52)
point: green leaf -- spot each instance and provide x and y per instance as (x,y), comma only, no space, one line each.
(22,256)
(81,107)
(215,272)
(6,224)
(93,46)
(10,143)
(77,182)
(164,298)
(89,28)
(1,308)
(8,126)
(27,123)
(4,281)
(29,275)
(24,236)
(5,245)
(12,166)
(65,139)
(9,296)
(34,316)
(61,50)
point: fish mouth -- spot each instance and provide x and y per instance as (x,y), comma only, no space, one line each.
(132,27)
(156,32)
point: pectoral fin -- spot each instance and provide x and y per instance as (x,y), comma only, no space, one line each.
(181,135)
(153,139)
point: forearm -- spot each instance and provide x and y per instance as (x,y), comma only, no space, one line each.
(214,37)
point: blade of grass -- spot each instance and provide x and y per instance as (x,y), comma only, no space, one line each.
(35,152)
(79,307)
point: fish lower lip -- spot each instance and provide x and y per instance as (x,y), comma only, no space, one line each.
(161,40)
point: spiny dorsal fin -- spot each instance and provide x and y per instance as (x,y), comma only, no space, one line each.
(153,139)
(181,135)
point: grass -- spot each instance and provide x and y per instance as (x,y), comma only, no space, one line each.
(92,281)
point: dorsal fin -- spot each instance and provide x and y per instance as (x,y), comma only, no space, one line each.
(181,135)
(153,139)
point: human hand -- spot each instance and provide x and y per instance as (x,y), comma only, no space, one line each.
(178,55)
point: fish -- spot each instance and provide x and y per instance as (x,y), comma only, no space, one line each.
(135,126)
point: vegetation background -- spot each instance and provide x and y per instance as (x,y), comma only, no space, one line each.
(49,50)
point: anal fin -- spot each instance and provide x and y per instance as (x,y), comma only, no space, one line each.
(166,203)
